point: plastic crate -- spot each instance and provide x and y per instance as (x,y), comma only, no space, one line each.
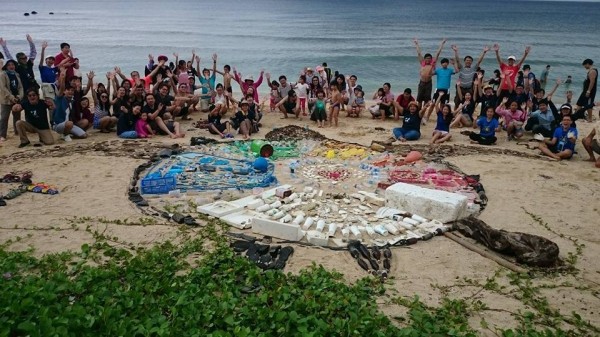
(158,185)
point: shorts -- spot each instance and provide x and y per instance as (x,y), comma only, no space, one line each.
(289,107)
(229,90)
(75,130)
(444,98)
(586,102)
(424,91)
(440,131)
(387,109)
(48,91)
(595,146)
(468,117)
(221,127)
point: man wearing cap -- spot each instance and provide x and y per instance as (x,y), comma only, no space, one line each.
(24,64)
(509,70)
(586,99)
(11,92)
(565,110)
(466,73)
(541,122)
(484,94)
(591,143)
(401,103)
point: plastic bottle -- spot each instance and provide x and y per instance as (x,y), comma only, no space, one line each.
(320,225)
(307,223)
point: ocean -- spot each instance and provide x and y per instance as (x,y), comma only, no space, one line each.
(372,40)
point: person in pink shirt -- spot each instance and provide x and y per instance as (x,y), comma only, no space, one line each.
(135,76)
(142,127)
(514,118)
(248,82)
(65,59)
(510,69)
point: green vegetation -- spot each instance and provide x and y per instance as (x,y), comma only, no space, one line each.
(114,288)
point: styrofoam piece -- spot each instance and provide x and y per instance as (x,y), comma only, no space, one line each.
(391,228)
(338,242)
(358,196)
(332,228)
(263,208)
(410,221)
(370,231)
(287,218)
(254,204)
(277,229)
(317,238)
(299,219)
(428,203)
(307,223)
(219,208)
(320,225)
(202,201)
(291,198)
(373,198)
(405,225)
(243,202)
(379,229)
(276,204)
(272,212)
(345,233)
(354,230)
(388,212)
(241,220)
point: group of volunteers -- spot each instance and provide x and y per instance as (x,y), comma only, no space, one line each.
(138,106)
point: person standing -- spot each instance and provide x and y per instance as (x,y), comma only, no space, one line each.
(510,70)
(11,92)
(586,99)
(544,77)
(466,73)
(24,64)
(427,63)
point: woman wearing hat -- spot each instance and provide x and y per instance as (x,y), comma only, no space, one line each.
(11,92)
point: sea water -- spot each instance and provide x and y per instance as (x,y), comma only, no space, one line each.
(371,39)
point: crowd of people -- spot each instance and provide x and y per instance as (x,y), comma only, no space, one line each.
(513,100)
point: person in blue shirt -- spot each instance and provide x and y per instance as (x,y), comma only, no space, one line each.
(48,73)
(562,144)
(488,125)
(411,123)
(444,77)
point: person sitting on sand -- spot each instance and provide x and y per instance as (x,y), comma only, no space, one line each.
(562,144)
(155,113)
(64,106)
(242,121)
(488,125)
(358,103)
(441,133)
(426,72)
(591,144)
(103,118)
(36,118)
(514,118)
(464,111)
(142,127)
(172,125)
(401,103)
(541,121)
(216,127)
(126,125)
(484,94)
(411,123)
(288,105)
(254,112)
(387,102)
(220,101)
(377,97)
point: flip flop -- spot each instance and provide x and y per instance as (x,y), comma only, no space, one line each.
(284,255)
(2,202)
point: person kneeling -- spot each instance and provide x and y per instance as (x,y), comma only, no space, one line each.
(592,145)
(488,125)
(562,144)
(36,118)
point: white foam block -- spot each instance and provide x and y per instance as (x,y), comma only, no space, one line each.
(317,238)
(428,203)
(285,231)
(241,220)
(219,208)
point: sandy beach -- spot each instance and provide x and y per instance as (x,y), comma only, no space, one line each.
(93,174)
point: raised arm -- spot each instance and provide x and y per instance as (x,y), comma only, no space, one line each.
(120,73)
(556,84)
(44,46)
(32,51)
(419,54)
(90,84)
(214,69)
(260,79)
(150,64)
(61,81)
(176,55)
(496,48)
(482,55)
(439,51)
(457,63)
(527,50)
(427,108)
(7,53)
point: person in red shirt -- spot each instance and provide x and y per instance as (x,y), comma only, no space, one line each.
(401,103)
(509,70)
(65,59)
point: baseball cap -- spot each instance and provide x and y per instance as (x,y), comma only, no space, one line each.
(249,78)
(513,57)
(487,86)
(566,106)
(309,69)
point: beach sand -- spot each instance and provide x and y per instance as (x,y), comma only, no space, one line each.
(93,190)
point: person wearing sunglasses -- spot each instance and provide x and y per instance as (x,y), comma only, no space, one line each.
(36,118)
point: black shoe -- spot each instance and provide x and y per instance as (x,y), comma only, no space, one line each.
(24,144)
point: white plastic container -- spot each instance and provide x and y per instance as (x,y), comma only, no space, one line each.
(299,218)
(345,233)
(370,230)
(355,232)
(276,204)
(411,221)
(391,228)
(287,218)
(307,223)
(263,208)
(379,229)
(320,225)
(419,218)
(278,215)
(254,204)
(332,229)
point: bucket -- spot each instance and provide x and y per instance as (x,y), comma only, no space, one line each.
(261,148)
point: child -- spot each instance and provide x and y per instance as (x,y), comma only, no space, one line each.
(513,118)
(85,118)
(359,102)
(302,91)
(242,120)
(274,97)
(464,112)
(441,133)
(318,112)
(172,125)
(216,127)
(142,127)
(378,97)
(488,125)
(336,104)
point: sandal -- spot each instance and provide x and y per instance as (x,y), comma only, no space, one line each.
(15,192)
